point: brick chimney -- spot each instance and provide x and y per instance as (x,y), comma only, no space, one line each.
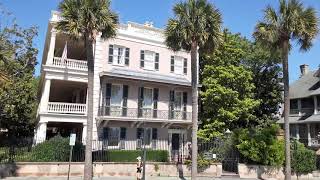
(304,68)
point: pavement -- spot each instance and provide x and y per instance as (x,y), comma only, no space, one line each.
(122,178)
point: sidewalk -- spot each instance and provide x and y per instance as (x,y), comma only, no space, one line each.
(118,178)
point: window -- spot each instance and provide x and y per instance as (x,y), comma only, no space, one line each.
(147,98)
(118,55)
(307,103)
(149,132)
(149,60)
(113,136)
(293,104)
(178,101)
(116,95)
(178,65)
(123,133)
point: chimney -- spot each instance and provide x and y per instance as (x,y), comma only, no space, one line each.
(304,68)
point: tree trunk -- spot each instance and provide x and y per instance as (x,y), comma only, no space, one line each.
(88,153)
(285,51)
(194,83)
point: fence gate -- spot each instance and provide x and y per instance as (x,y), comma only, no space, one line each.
(230,161)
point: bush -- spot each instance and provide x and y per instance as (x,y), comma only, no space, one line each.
(55,149)
(303,159)
(260,146)
(202,163)
(130,155)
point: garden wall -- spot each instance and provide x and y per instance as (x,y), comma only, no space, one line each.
(102,169)
(269,172)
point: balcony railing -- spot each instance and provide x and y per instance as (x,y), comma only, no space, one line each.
(70,63)
(115,111)
(67,108)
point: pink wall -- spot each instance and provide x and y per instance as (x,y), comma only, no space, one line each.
(135,47)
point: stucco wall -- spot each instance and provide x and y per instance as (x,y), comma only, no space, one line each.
(102,169)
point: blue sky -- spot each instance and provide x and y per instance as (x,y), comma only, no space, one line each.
(238,16)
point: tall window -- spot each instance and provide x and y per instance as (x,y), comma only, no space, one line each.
(178,101)
(113,136)
(149,58)
(178,65)
(151,133)
(116,95)
(118,55)
(147,98)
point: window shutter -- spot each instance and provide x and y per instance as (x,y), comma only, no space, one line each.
(105,133)
(154,133)
(185,64)
(156,62)
(110,53)
(185,101)
(172,64)
(108,98)
(126,60)
(142,58)
(140,101)
(171,104)
(155,102)
(125,100)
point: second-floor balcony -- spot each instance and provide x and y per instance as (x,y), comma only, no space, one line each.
(143,113)
(67,108)
(70,63)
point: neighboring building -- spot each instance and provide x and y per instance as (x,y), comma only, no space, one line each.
(305,107)
(138,82)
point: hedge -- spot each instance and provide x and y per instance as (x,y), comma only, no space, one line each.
(129,155)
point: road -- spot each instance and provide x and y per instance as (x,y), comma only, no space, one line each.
(120,178)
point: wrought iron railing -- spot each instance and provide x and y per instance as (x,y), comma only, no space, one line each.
(117,111)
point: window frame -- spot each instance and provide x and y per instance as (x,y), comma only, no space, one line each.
(176,67)
(144,93)
(118,128)
(115,57)
(153,60)
(121,94)
(181,100)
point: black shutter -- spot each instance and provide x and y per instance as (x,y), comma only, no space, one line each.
(126,60)
(185,64)
(139,133)
(140,101)
(123,133)
(142,58)
(156,62)
(155,102)
(125,100)
(154,133)
(110,53)
(172,64)
(185,101)
(108,98)
(171,104)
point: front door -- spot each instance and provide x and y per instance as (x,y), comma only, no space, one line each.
(175,147)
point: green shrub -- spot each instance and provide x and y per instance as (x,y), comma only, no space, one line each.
(55,149)
(303,159)
(202,163)
(260,146)
(130,155)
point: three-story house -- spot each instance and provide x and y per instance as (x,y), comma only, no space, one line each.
(138,83)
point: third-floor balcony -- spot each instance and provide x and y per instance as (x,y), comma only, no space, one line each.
(70,63)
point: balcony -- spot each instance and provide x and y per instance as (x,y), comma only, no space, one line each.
(67,108)
(143,113)
(70,63)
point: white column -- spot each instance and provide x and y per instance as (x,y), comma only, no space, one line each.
(299,106)
(84,134)
(315,101)
(41,132)
(51,46)
(309,135)
(297,132)
(45,96)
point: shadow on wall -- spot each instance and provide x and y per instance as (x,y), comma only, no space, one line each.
(8,169)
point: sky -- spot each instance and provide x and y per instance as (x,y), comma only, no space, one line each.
(239,16)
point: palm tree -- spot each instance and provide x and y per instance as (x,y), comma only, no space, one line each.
(291,22)
(197,24)
(86,19)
